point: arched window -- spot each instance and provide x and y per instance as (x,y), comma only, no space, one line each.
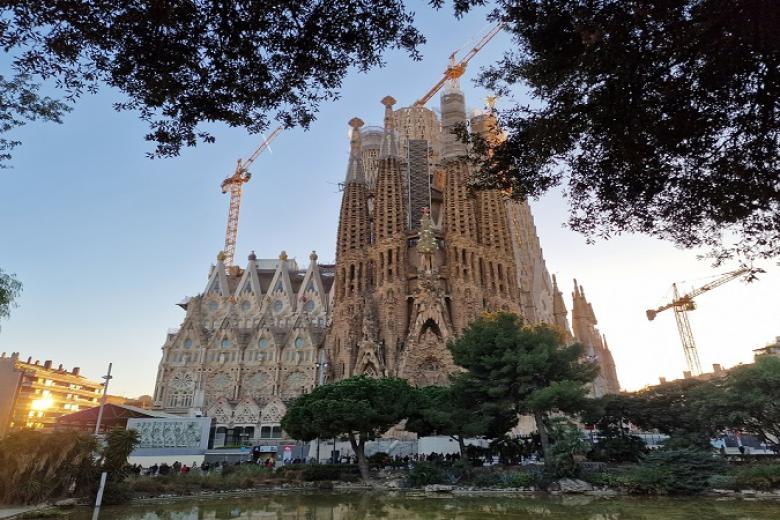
(299,342)
(187,343)
(225,343)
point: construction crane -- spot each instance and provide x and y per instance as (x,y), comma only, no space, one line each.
(456,69)
(234,184)
(684,303)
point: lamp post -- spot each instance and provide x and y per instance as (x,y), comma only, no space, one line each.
(108,378)
(321,366)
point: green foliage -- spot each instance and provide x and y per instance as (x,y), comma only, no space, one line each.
(522,369)
(361,408)
(760,476)
(320,472)
(380,459)
(357,405)
(37,466)
(10,287)
(747,399)
(684,89)
(457,410)
(625,448)
(684,471)
(246,476)
(568,446)
(119,444)
(723,482)
(235,63)
(21,103)
(425,474)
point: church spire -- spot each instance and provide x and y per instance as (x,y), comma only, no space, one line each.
(354,226)
(389,146)
(355,171)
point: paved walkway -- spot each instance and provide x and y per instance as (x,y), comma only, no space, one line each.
(10,512)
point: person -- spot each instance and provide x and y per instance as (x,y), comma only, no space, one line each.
(176,467)
(153,470)
(205,466)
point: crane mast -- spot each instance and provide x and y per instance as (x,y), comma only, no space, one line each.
(456,69)
(234,184)
(684,303)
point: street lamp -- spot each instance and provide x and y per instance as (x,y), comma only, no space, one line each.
(321,365)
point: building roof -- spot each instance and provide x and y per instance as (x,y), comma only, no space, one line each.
(114,415)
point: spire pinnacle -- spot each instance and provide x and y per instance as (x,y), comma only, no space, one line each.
(389,146)
(355,171)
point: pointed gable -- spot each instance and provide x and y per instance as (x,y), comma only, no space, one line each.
(280,296)
(218,282)
(249,286)
(312,297)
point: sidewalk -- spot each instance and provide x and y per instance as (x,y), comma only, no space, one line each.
(10,512)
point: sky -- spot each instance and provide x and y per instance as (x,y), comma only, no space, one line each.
(107,241)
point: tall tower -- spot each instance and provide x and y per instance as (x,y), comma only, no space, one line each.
(437,254)
(353,273)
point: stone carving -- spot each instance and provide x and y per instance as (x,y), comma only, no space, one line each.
(161,433)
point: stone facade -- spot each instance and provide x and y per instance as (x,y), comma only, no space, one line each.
(410,278)
(248,343)
(418,256)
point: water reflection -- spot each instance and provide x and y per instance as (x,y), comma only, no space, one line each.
(375,506)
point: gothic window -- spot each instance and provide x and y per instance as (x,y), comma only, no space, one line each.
(310,286)
(263,343)
(225,343)
(247,287)
(309,306)
(299,342)
(180,399)
(187,343)
(278,306)
(278,286)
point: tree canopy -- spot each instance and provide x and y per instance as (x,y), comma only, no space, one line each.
(359,407)
(458,411)
(659,117)
(184,64)
(527,369)
(10,289)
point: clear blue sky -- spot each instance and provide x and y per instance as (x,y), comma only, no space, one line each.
(107,241)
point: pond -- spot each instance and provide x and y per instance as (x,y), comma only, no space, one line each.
(353,506)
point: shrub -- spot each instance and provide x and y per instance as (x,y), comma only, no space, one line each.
(319,472)
(605,478)
(426,473)
(517,479)
(723,482)
(684,471)
(760,476)
(628,448)
(380,459)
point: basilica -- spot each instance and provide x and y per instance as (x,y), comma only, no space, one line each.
(418,256)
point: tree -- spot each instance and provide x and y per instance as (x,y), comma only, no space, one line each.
(38,466)
(748,399)
(528,369)
(10,289)
(610,416)
(20,103)
(456,411)
(681,409)
(183,64)
(359,407)
(659,117)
